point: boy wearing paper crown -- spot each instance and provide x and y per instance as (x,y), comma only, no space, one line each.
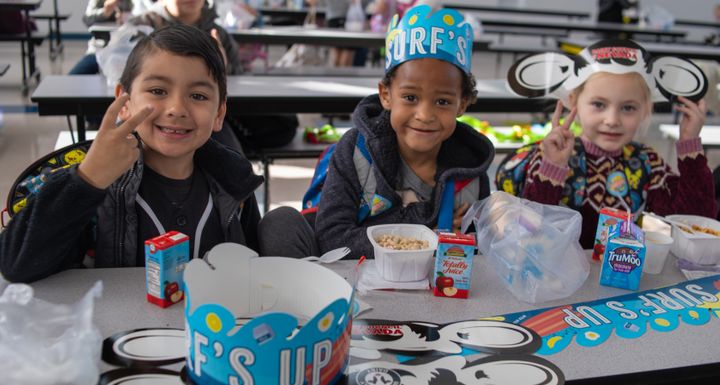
(406,148)
(611,86)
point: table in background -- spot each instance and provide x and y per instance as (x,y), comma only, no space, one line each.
(27,42)
(313,71)
(697,23)
(687,51)
(594,27)
(297,16)
(55,36)
(84,95)
(320,36)
(287,35)
(287,16)
(709,135)
(123,307)
(520,11)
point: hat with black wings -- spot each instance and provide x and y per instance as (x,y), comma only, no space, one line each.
(557,74)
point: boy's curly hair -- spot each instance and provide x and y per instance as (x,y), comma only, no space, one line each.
(468,92)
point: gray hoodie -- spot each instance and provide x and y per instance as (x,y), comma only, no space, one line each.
(466,154)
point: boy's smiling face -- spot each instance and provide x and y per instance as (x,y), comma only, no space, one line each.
(186,101)
(424,99)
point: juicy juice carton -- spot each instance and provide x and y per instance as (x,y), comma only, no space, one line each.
(165,259)
(608,217)
(624,256)
(453,265)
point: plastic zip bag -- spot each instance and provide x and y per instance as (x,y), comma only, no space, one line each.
(533,247)
(355,17)
(45,343)
(114,55)
(303,54)
(233,15)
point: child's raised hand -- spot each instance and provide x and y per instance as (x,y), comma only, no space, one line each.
(693,117)
(559,142)
(458,216)
(115,148)
(109,7)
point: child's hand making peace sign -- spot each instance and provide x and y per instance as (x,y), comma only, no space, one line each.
(115,148)
(559,142)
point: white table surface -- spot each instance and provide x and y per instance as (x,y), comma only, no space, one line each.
(123,307)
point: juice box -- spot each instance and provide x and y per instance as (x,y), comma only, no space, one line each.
(453,265)
(608,217)
(624,257)
(165,259)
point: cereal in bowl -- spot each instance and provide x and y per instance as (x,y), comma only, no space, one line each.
(396,242)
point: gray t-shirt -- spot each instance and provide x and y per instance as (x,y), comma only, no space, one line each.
(413,189)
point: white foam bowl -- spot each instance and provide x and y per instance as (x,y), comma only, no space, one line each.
(657,247)
(403,265)
(702,249)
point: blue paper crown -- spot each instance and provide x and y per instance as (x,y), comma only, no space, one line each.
(270,348)
(422,33)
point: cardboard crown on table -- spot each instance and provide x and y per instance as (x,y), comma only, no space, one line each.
(242,319)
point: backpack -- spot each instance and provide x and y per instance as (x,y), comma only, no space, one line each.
(34,176)
(311,199)
(371,203)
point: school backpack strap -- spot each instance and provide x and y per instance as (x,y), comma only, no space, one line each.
(447,204)
(512,171)
(31,180)
(371,203)
(363,165)
(312,195)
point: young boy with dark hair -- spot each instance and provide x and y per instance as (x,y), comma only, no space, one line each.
(251,132)
(152,168)
(406,148)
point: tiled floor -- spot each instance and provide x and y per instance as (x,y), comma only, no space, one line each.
(25,136)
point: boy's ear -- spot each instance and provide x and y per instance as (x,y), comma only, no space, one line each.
(218,121)
(384,93)
(124,113)
(464,103)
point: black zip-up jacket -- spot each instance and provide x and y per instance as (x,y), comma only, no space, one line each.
(466,154)
(68,217)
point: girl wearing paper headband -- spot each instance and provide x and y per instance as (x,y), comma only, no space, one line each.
(407,159)
(611,87)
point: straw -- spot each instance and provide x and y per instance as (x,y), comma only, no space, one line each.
(355,273)
(626,225)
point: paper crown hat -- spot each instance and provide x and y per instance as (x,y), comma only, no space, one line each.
(557,74)
(242,323)
(422,33)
